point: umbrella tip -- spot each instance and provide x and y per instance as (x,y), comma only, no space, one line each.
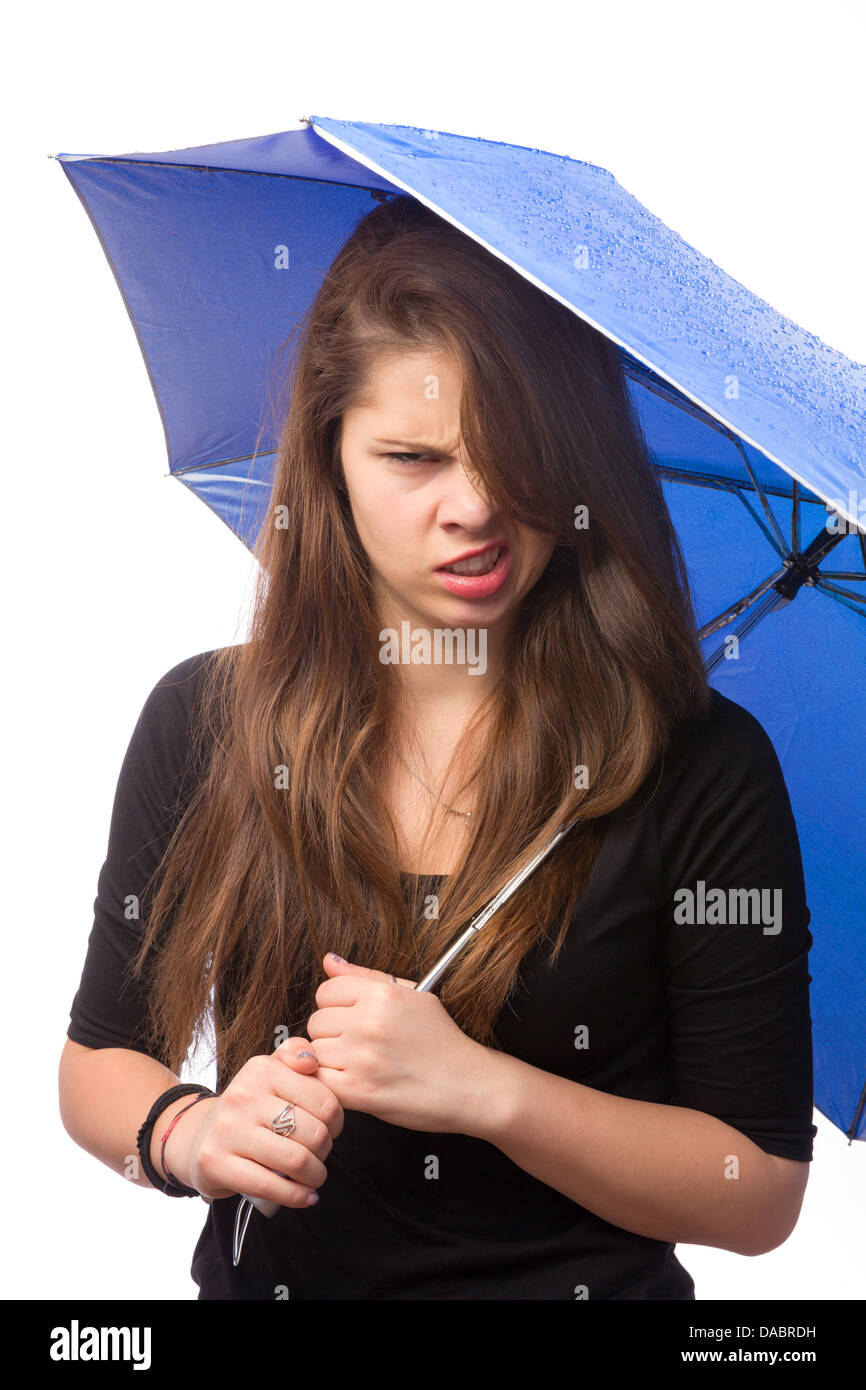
(305,120)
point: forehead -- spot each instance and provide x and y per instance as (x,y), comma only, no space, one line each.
(413,398)
(423,375)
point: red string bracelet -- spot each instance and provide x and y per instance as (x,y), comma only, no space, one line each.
(170,1176)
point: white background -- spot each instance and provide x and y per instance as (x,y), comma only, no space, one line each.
(739,124)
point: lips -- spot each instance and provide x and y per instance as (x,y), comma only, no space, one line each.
(482,585)
(477,550)
(477,562)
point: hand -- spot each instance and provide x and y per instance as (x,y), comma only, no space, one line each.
(230,1147)
(389,1051)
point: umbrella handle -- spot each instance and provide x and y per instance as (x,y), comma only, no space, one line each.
(262,1204)
(242,1220)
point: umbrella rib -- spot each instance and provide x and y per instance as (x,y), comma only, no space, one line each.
(851,1132)
(222,169)
(795,571)
(769,602)
(640,373)
(715,480)
(782,545)
(837,589)
(736,609)
(770,537)
(217,463)
(846,603)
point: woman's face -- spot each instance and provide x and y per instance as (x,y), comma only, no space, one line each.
(418,513)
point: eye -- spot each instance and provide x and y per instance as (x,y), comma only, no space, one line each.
(406,459)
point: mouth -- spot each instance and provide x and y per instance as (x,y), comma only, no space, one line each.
(482,563)
(477,576)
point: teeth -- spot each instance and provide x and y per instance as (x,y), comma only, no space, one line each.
(477,564)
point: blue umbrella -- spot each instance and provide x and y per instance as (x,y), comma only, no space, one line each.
(756,427)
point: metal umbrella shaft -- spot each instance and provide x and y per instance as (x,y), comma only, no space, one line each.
(434,975)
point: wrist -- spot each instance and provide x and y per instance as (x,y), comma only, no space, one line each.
(178,1145)
(493,1101)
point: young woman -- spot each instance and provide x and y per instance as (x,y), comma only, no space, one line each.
(605,1070)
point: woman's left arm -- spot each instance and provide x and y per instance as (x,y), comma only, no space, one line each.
(669,1172)
(724,1161)
(659,1170)
(738,1027)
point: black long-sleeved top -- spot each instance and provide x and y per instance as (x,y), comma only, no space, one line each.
(710,1014)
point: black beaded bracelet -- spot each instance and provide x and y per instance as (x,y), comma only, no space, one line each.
(142,1139)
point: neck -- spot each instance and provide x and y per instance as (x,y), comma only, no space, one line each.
(442,672)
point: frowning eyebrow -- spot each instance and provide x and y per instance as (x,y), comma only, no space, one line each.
(413,445)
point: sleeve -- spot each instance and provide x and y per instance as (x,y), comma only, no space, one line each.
(735,936)
(110,1009)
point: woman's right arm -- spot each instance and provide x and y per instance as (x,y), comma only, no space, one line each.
(224,1144)
(112,1070)
(105,1094)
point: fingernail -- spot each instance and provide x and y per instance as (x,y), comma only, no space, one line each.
(312,1199)
(334,956)
(306,1054)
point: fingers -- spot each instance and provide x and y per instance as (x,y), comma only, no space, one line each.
(289,1051)
(240,1151)
(303,1086)
(254,1180)
(243,1148)
(299,1156)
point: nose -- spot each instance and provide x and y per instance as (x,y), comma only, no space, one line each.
(465,500)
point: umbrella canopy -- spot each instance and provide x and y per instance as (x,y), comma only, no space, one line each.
(757,428)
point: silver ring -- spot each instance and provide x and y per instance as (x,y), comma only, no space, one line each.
(391,978)
(285,1122)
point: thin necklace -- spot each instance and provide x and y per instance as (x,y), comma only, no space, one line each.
(466,814)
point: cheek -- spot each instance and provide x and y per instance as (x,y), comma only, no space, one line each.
(388,536)
(536,552)
(372,519)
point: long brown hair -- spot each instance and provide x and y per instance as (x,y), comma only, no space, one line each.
(268,870)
